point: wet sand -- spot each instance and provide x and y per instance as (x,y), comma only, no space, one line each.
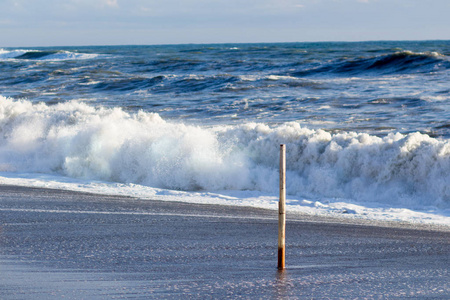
(56,244)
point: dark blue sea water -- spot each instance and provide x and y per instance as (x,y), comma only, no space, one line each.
(375,87)
(366,122)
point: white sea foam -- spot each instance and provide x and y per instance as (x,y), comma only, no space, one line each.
(67,55)
(112,151)
(7,54)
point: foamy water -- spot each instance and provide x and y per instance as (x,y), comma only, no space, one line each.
(77,146)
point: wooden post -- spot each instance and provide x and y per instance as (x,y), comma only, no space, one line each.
(282,210)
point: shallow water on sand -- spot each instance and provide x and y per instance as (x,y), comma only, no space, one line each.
(55,244)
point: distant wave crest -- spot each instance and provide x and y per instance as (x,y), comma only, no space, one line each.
(399,62)
(43,55)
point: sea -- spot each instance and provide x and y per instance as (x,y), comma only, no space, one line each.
(366,124)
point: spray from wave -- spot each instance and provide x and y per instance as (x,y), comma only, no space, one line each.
(77,140)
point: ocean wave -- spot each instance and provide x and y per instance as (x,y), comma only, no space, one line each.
(401,62)
(169,83)
(6,54)
(128,84)
(22,54)
(77,140)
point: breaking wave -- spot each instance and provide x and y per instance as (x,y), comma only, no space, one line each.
(21,54)
(402,62)
(77,140)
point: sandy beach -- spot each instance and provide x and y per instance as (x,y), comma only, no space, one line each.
(59,244)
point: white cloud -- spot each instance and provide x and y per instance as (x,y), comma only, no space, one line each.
(111,3)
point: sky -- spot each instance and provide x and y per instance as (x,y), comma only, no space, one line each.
(148,22)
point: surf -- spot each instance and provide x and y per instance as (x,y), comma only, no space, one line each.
(108,144)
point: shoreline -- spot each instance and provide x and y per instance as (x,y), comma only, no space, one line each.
(244,211)
(57,243)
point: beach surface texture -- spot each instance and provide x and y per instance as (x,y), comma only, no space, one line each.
(59,244)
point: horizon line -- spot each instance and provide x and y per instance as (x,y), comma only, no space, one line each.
(230,43)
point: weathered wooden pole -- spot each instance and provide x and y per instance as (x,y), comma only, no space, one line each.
(282,210)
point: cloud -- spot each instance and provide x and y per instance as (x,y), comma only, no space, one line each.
(111,3)
(94,3)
